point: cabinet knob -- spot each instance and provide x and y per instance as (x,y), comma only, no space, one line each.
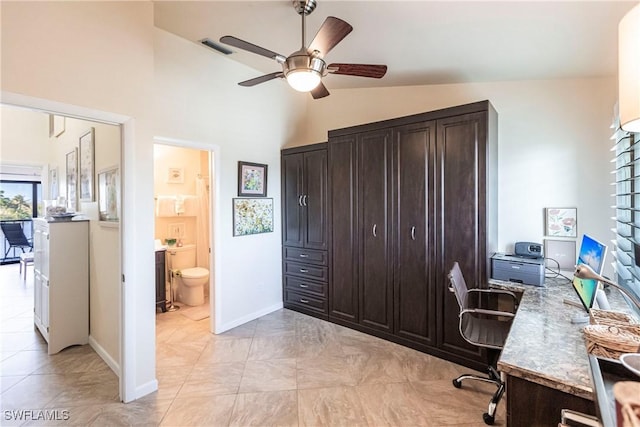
(300,200)
(304,301)
(413,233)
(304,270)
(304,200)
(375,230)
(302,285)
(304,256)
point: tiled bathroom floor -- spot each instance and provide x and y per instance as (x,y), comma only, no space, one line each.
(284,369)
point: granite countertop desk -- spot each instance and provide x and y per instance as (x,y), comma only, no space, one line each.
(545,357)
(543,345)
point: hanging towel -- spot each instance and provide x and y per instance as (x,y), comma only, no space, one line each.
(165,206)
(190,206)
(179,205)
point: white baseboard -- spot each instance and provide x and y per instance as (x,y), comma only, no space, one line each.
(147,388)
(115,366)
(248,318)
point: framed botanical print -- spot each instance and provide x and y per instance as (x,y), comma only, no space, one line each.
(72,179)
(252,179)
(561,222)
(87,161)
(252,216)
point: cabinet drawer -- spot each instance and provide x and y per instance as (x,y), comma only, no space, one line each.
(311,303)
(306,270)
(305,255)
(306,286)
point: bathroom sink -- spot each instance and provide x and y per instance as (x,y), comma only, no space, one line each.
(159,246)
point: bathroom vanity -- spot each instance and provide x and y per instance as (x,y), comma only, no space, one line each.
(61,282)
(161,280)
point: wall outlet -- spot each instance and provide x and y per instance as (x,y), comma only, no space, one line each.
(176,230)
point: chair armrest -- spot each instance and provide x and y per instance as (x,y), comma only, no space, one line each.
(494,313)
(494,293)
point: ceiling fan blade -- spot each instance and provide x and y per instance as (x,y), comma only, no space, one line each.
(319,91)
(362,70)
(250,47)
(331,32)
(261,79)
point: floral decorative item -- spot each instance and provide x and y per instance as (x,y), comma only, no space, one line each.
(252,179)
(562,222)
(252,216)
(87,149)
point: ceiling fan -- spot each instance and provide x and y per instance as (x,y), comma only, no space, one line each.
(305,68)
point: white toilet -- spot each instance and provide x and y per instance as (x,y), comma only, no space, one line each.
(188,279)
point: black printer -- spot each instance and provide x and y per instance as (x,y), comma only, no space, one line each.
(511,268)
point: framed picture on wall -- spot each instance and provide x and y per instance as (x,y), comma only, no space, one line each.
(56,125)
(72,179)
(252,179)
(87,161)
(109,197)
(561,222)
(252,216)
(53,183)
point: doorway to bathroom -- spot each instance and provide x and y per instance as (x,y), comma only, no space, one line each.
(182,218)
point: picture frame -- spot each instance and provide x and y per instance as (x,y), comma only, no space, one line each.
(252,179)
(109,197)
(175,176)
(252,216)
(53,183)
(86,168)
(72,179)
(56,125)
(561,222)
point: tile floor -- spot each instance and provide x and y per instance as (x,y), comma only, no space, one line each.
(284,369)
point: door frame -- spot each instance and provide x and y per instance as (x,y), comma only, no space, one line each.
(215,260)
(127,378)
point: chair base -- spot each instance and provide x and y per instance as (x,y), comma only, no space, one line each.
(493,378)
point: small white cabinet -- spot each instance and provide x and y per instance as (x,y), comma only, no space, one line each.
(61,282)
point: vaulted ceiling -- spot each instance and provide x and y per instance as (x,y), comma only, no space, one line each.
(422,42)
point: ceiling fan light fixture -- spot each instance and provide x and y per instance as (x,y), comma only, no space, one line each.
(304,80)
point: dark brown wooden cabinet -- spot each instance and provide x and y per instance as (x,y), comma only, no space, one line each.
(406,198)
(414,169)
(161,279)
(304,191)
(375,280)
(422,189)
(462,199)
(304,228)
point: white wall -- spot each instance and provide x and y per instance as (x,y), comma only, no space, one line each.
(198,99)
(553,144)
(97,57)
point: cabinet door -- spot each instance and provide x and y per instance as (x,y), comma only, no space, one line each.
(315,200)
(461,199)
(343,283)
(375,285)
(415,305)
(292,227)
(37,297)
(44,313)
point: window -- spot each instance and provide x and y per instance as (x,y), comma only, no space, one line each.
(20,199)
(627,185)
